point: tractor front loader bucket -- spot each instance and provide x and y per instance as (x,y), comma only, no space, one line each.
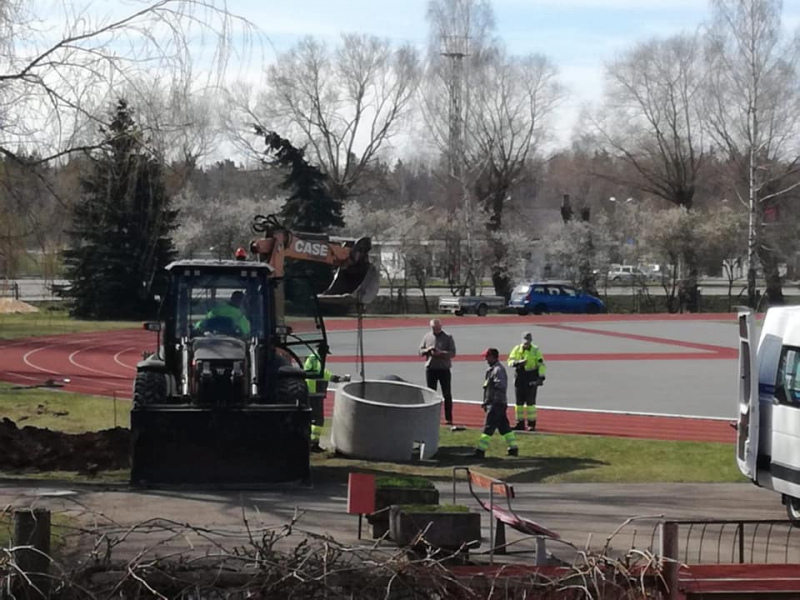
(355,283)
(247,447)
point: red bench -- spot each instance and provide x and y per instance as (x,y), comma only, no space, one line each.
(503,514)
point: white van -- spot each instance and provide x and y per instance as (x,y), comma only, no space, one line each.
(768,428)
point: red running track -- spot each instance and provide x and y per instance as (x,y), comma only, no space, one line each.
(104,363)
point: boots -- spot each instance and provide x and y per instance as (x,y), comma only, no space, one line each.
(315,447)
(520,426)
(513,451)
(479,453)
(532,425)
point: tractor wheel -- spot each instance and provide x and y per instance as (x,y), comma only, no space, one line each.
(149,388)
(292,390)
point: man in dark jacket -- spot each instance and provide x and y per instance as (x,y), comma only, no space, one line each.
(439,349)
(495,404)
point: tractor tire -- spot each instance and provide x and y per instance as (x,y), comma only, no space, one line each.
(149,388)
(483,310)
(292,390)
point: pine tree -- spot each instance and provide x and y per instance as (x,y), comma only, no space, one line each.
(310,207)
(121,226)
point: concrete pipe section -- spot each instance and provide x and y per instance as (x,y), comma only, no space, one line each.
(384,420)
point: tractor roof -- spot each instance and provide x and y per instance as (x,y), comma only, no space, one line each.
(219,264)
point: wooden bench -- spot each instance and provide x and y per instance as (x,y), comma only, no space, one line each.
(503,514)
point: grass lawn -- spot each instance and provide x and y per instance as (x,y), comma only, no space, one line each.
(53,322)
(561,459)
(543,457)
(62,411)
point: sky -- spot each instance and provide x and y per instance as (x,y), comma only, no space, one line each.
(578,35)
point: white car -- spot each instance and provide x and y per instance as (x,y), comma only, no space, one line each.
(625,274)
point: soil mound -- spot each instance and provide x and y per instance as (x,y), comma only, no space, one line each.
(11,306)
(31,448)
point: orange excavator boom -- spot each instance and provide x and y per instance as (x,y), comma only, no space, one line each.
(355,279)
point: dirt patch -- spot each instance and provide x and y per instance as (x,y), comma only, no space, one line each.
(11,306)
(31,448)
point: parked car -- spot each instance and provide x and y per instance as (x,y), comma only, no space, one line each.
(547,296)
(625,274)
(479,305)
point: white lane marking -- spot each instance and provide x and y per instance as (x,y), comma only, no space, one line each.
(122,364)
(611,412)
(90,369)
(26,359)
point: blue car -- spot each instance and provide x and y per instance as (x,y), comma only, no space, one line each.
(548,296)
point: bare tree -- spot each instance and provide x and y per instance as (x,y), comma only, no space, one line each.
(460,33)
(344,104)
(513,97)
(52,92)
(652,121)
(753,107)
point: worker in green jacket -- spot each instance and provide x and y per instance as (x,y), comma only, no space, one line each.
(317,380)
(528,363)
(232,311)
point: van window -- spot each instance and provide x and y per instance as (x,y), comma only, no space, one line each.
(539,289)
(787,389)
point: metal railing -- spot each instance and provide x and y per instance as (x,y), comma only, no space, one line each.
(725,541)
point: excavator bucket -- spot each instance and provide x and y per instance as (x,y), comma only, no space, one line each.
(359,283)
(250,446)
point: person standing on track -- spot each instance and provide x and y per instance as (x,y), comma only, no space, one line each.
(495,405)
(528,362)
(439,349)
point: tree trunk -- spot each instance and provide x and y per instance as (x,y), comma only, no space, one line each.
(774,285)
(691,294)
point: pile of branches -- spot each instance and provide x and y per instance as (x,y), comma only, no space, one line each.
(286,562)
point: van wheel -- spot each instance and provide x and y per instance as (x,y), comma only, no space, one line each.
(592,309)
(483,310)
(522,312)
(792,509)
(539,309)
(458,313)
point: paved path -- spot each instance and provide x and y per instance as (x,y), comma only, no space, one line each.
(583,514)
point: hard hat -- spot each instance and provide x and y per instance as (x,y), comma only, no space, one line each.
(490,351)
(241,254)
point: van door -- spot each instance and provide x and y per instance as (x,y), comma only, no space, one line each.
(747,426)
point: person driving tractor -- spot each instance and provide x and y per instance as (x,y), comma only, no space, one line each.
(232,311)
(317,381)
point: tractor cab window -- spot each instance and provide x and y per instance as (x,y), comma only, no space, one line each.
(221,304)
(787,390)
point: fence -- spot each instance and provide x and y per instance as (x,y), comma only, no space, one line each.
(721,541)
(9,289)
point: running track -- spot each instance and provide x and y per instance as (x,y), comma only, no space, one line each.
(104,364)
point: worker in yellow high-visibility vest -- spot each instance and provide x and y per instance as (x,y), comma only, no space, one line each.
(528,362)
(317,380)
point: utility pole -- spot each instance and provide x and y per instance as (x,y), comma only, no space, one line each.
(455,48)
